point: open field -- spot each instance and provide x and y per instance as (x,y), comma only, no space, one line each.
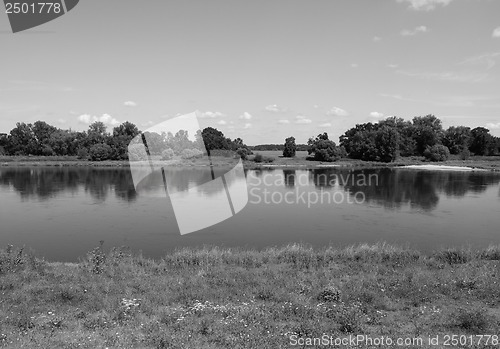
(228,298)
(300,161)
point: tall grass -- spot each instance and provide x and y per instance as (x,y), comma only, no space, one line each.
(212,297)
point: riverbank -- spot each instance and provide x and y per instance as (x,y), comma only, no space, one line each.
(228,298)
(491,163)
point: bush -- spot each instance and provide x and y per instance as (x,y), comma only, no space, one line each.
(261,158)
(465,154)
(82,154)
(243,153)
(168,154)
(437,152)
(100,152)
(47,151)
(290,148)
(191,153)
(137,152)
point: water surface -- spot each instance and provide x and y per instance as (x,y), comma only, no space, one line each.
(63,212)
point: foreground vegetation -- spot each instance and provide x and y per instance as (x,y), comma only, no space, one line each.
(229,298)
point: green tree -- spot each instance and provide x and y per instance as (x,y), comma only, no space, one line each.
(387,141)
(323,148)
(457,138)
(482,142)
(214,139)
(428,131)
(290,148)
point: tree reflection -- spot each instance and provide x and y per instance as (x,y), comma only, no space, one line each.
(44,183)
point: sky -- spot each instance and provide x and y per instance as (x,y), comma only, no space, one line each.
(262,70)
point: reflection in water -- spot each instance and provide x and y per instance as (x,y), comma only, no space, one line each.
(391,188)
(65,211)
(421,189)
(44,183)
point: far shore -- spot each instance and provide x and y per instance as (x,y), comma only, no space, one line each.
(491,163)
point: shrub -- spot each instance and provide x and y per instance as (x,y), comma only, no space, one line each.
(136,152)
(191,153)
(47,151)
(261,158)
(437,152)
(100,152)
(465,154)
(168,154)
(243,153)
(83,154)
(290,148)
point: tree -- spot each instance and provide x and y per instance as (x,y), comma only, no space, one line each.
(214,139)
(457,138)
(482,142)
(290,148)
(22,140)
(428,131)
(387,144)
(323,148)
(96,133)
(407,145)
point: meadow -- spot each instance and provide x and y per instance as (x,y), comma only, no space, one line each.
(274,159)
(239,298)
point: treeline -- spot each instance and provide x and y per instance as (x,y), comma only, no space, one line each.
(98,144)
(393,137)
(277,147)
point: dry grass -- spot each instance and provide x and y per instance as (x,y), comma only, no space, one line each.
(233,298)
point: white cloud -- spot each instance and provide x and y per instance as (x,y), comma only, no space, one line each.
(448,76)
(61,121)
(147,124)
(496,33)
(210,115)
(376,39)
(486,60)
(336,111)
(419,29)
(493,126)
(105,118)
(301,119)
(246,116)
(316,106)
(275,108)
(392,65)
(425,5)
(326,124)
(283,121)
(130,104)
(222,122)
(247,125)
(376,115)
(354,65)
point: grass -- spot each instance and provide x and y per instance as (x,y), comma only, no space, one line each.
(269,159)
(239,298)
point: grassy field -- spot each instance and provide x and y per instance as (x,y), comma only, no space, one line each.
(227,298)
(299,161)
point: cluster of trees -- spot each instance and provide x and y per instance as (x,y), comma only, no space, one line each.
(96,143)
(422,136)
(40,138)
(394,137)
